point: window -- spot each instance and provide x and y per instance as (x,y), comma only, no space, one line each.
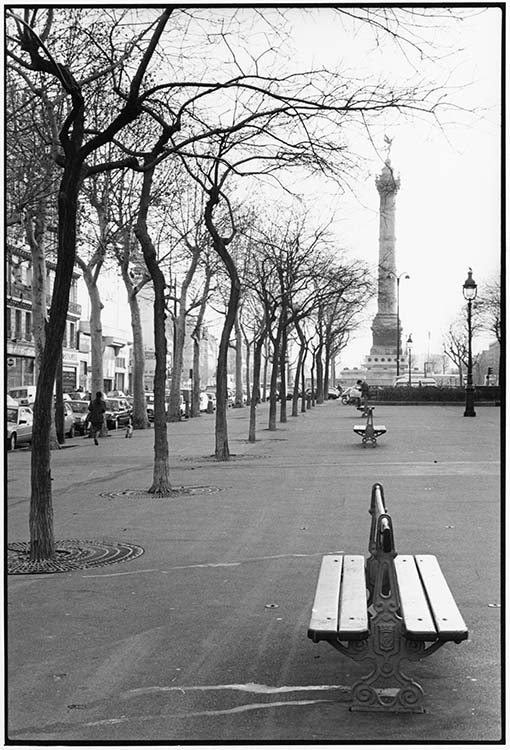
(18,332)
(9,323)
(28,326)
(64,338)
(72,336)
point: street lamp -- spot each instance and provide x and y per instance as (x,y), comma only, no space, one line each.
(469,290)
(392,275)
(409,345)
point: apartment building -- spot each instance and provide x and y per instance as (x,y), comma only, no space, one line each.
(19,349)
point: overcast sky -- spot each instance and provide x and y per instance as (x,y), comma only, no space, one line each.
(448,205)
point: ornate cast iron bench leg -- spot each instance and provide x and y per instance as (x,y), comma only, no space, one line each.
(386,687)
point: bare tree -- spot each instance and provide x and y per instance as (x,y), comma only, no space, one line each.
(456,344)
(30,51)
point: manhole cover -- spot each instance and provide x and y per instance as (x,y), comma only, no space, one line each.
(70,554)
(174,492)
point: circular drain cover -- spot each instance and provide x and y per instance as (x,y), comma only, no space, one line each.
(70,554)
(174,492)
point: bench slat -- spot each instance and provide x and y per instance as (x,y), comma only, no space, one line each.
(353,622)
(324,620)
(418,621)
(449,622)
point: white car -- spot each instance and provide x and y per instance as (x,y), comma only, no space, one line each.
(207,401)
(19,426)
(23,394)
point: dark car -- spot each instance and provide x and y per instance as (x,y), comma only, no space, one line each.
(118,413)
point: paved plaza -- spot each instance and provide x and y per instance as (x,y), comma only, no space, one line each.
(203,637)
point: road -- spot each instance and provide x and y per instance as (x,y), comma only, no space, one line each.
(203,638)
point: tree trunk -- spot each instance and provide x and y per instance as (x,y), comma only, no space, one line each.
(42,542)
(320,375)
(312,381)
(140,419)
(303,385)
(174,405)
(96,336)
(238,401)
(283,375)
(266,360)
(222,451)
(96,333)
(161,479)
(327,365)
(35,238)
(295,392)
(248,366)
(35,227)
(195,396)
(59,403)
(273,385)
(196,335)
(255,393)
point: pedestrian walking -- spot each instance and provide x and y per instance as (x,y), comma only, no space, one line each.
(97,408)
(364,392)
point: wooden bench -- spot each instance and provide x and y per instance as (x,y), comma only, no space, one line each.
(390,609)
(369,432)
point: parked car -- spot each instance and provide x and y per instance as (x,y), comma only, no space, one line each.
(69,428)
(207,401)
(182,406)
(79,410)
(118,413)
(19,426)
(23,394)
(149,398)
(77,396)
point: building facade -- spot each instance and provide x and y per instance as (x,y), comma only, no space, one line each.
(20,348)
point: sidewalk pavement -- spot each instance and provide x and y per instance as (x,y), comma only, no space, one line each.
(203,638)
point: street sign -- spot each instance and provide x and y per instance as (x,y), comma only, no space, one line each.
(11,361)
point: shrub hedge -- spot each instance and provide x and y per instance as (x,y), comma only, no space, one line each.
(429,393)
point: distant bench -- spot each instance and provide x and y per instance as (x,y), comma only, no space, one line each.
(369,432)
(385,611)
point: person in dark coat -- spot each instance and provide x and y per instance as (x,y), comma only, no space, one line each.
(364,393)
(97,408)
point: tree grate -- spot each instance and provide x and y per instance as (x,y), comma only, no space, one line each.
(174,492)
(70,554)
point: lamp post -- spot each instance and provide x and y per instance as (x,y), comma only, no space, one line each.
(392,275)
(409,345)
(469,291)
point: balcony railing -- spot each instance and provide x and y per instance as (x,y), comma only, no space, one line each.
(16,290)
